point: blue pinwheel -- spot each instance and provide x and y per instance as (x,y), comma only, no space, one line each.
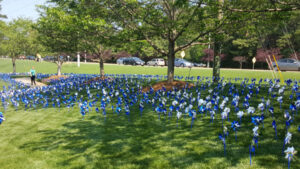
(271,110)
(127,111)
(193,114)
(288,119)
(251,152)
(97,109)
(141,107)
(293,108)
(223,139)
(279,99)
(158,110)
(235,126)
(1,117)
(118,109)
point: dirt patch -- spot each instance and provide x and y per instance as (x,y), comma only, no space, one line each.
(168,86)
(54,77)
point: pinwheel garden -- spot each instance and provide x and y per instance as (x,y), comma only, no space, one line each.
(84,122)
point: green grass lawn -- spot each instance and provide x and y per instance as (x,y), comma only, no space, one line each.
(60,138)
(46,67)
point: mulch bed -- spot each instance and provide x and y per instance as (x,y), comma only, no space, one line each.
(54,77)
(168,86)
(98,79)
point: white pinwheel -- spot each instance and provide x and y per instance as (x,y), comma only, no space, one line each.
(251,110)
(200,102)
(240,114)
(290,151)
(255,131)
(261,106)
(279,99)
(224,115)
(288,138)
(227,110)
(175,102)
(179,114)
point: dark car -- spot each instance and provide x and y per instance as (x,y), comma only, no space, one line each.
(30,57)
(49,58)
(133,61)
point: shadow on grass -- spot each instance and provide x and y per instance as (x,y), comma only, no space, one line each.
(146,142)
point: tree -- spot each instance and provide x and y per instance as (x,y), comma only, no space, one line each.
(262,54)
(1,15)
(96,32)
(177,25)
(58,33)
(240,59)
(16,39)
(209,55)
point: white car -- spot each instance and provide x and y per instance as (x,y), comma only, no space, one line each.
(287,64)
(183,63)
(156,62)
(120,61)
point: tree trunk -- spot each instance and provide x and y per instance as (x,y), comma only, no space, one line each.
(14,64)
(207,64)
(59,68)
(101,64)
(241,65)
(217,61)
(217,48)
(171,59)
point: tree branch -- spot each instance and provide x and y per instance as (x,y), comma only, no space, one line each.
(188,22)
(265,10)
(201,34)
(192,44)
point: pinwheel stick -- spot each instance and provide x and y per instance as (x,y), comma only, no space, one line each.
(193,119)
(235,135)
(283,148)
(250,155)
(289,160)
(224,146)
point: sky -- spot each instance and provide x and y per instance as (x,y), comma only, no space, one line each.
(20,8)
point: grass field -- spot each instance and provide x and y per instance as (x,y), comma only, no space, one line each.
(46,67)
(59,138)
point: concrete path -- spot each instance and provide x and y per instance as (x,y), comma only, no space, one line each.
(28,81)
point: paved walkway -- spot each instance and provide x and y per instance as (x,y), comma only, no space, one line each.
(28,81)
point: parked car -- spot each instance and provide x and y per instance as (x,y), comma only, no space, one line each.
(183,63)
(156,62)
(287,64)
(133,61)
(30,57)
(120,60)
(22,57)
(48,58)
(199,65)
